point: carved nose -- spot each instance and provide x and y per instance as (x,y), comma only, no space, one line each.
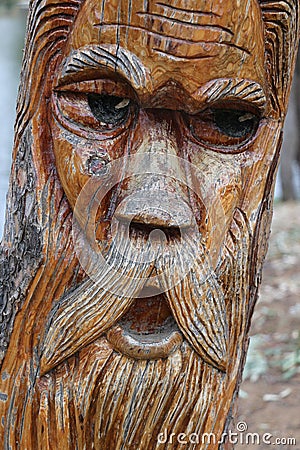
(156,195)
(161,210)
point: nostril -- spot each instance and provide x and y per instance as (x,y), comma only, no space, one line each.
(157,235)
(154,232)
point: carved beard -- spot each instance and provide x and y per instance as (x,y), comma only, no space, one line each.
(99,398)
(123,403)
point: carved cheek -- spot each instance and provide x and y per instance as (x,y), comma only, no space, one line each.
(225,180)
(259,166)
(226,177)
(78,159)
(219,180)
(68,166)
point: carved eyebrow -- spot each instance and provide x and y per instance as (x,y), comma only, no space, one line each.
(113,57)
(233,89)
(128,65)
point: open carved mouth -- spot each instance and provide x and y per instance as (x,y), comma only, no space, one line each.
(148,330)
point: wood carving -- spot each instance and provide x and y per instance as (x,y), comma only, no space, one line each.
(146,147)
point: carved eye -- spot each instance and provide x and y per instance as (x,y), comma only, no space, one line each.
(89,112)
(223,127)
(109,109)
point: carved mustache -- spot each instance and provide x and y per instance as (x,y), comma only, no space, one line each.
(195,299)
(86,312)
(197,303)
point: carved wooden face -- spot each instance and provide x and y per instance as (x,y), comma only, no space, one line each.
(187,87)
(134,80)
(165,120)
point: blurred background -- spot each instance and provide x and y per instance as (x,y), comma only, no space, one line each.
(270,393)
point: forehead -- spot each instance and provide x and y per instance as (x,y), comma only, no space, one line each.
(188,41)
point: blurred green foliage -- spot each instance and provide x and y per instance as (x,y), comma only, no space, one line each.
(262,357)
(8,4)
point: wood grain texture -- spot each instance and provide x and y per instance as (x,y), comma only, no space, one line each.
(146,148)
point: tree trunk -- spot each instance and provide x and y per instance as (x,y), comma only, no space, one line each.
(147,142)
